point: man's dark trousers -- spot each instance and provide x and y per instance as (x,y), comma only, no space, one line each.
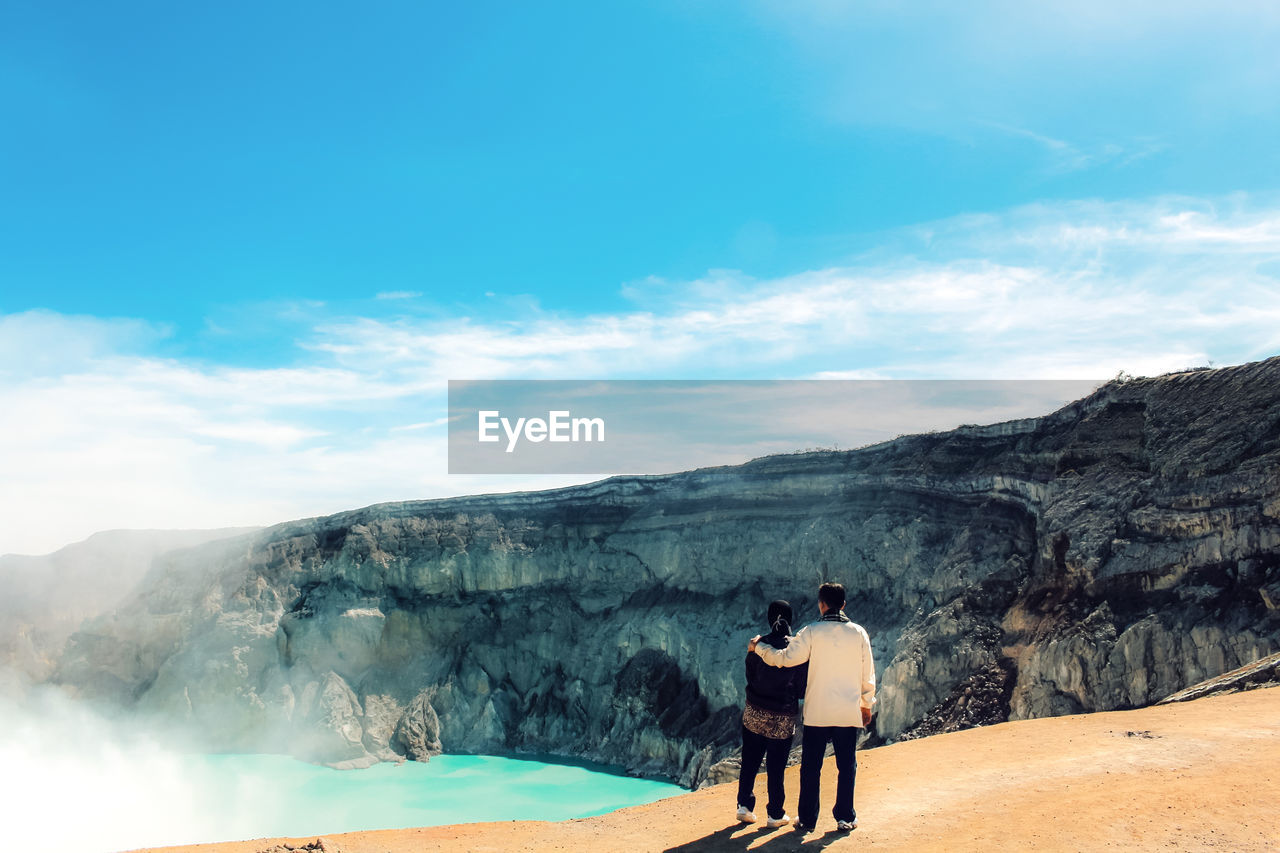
(754,748)
(844,740)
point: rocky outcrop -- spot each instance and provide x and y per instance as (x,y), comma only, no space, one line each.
(1100,557)
(1253,676)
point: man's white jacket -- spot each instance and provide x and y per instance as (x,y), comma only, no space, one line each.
(842,675)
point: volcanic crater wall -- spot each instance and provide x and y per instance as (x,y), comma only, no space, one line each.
(1100,557)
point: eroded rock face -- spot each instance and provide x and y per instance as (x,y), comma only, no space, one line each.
(1100,557)
(417,732)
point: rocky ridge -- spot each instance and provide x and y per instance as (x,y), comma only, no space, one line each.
(1262,673)
(1101,557)
(46,598)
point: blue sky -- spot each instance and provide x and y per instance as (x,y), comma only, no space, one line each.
(244,245)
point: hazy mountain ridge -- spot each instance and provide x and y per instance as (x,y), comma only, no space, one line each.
(1100,557)
(47,597)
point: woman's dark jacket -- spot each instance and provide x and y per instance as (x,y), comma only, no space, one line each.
(775,688)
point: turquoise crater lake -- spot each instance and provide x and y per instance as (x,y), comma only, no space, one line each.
(273,795)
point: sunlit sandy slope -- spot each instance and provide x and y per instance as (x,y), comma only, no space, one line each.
(1202,775)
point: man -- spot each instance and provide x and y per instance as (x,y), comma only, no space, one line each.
(839,695)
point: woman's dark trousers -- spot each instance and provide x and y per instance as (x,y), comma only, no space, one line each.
(774,750)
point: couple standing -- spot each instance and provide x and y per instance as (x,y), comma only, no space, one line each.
(829,664)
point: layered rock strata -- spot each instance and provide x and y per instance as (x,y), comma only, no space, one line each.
(1101,557)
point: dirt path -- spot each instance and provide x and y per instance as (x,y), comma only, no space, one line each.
(1202,775)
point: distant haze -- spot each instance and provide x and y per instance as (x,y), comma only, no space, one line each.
(46,598)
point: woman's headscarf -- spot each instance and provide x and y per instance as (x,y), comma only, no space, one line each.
(780,617)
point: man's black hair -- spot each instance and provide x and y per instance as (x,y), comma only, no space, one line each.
(832,595)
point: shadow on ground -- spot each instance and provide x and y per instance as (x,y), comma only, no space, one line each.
(737,837)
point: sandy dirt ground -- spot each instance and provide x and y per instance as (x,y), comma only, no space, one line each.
(1202,775)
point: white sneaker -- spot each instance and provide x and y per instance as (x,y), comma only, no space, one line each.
(846,825)
(782,821)
(746,815)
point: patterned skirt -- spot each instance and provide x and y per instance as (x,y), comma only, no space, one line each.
(770,724)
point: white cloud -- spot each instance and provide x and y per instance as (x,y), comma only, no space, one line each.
(1065,156)
(135,443)
(96,434)
(37,343)
(437,422)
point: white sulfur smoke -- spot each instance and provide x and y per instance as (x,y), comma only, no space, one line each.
(75,782)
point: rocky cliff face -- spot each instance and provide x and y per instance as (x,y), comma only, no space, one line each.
(1100,557)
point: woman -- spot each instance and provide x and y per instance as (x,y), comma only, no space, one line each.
(769,720)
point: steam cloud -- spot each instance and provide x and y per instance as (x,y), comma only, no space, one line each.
(78,782)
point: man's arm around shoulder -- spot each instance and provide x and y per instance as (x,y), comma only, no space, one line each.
(796,652)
